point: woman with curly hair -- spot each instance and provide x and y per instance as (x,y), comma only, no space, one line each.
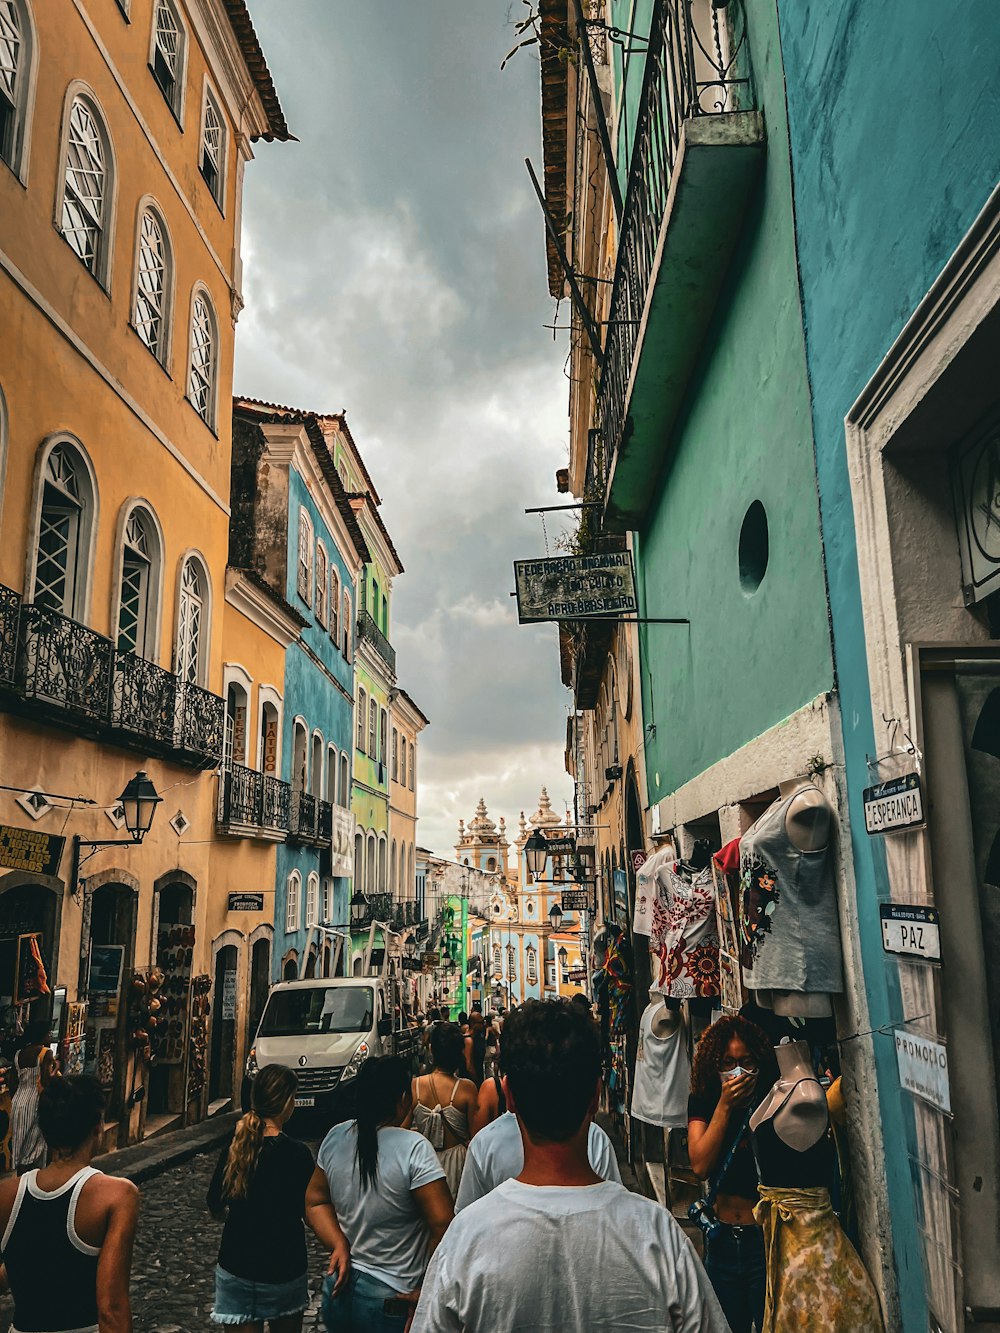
(733,1069)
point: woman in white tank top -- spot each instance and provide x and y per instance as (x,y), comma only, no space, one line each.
(443,1103)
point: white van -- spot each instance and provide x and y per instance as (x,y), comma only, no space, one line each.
(325,1028)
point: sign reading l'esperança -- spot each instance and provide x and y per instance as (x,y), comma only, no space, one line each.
(573,586)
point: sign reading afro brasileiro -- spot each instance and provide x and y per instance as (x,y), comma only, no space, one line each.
(572,587)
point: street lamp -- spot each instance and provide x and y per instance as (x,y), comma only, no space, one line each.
(410,945)
(555,916)
(138,801)
(536,852)
(359,910)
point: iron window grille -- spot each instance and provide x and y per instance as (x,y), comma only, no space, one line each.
(85,186)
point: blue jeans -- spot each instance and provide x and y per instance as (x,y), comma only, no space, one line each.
(735,1264)
(360,1306)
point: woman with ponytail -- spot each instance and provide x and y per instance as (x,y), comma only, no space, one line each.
(389,1191)
(260,1186)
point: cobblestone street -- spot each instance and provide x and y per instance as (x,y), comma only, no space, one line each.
(172,1275)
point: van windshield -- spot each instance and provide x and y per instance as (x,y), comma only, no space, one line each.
(315,1010)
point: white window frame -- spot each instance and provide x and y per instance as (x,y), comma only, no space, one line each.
(413,765)
(321,593)
(304,558)
(531,965)
(210,97)
(205,635)
(345,780)
(334,624)
(149,645)
(200,292)
(347,628)
(78,605)
(395,754)
(362,720)
(101,268)
(175,101)
(148,205)
(268,694)
(312,899)
(326,900)
(373,711)
(26,70)
(292,906)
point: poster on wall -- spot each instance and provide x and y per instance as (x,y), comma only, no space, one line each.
(106,963)
(73,1047)
(621,894)
(342,850)
(923,1068)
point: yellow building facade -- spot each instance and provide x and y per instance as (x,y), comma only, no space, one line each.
(124,132)
(406,723)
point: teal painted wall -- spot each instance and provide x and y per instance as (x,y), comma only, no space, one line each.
(746,661)
(893,159)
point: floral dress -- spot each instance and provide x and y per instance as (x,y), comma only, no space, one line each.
(684,936)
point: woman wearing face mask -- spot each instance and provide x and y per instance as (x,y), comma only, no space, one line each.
(733,1069)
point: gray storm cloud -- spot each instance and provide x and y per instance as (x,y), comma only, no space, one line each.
(395,268)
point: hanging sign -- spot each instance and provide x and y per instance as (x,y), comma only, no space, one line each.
(576,900)
(246,902)
(27,849)
(570,586)
(894,805)
(430,958)
(577,975)
(912,930)
(560,846)
(923,1068)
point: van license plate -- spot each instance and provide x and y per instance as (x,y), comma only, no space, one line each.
(305,1101)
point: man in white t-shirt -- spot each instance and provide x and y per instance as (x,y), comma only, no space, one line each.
(578,1253)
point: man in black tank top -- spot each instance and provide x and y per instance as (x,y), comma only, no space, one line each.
(66,1231)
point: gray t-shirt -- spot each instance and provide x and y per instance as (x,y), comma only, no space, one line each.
(383,1224)
(580,1259)
(496,1154)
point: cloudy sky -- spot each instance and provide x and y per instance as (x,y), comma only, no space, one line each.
(394,265)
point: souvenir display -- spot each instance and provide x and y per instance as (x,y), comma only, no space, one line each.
(200,1010)
(174,954)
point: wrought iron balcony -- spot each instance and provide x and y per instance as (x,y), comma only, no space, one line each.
(324,823)
(63,667)
(252,804)
(56,668)
(698,148)
(311,821)
(369,632)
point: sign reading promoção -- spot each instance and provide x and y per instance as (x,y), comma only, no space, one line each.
(572,586)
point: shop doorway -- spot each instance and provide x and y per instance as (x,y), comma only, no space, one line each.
(113,910)
(175,940)
(260,984)
(220,1083)
(29,915)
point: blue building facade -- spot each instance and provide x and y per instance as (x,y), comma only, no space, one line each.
(896,159)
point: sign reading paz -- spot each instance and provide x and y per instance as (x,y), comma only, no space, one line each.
(571,586)
(911,929)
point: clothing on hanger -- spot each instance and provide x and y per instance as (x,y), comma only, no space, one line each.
(684,937)
(662,1074)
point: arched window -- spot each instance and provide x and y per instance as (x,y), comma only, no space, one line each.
(303,571)
(372,729)
(395,754)
(348,627)
(385,615)
(326,904)
(268,757)
(153,284)
(316,766)
(65,527)
(511,963)
(87,192)
(362,719)
(371,867)
(322,565)
(300,745)
(312,899)
(497,957)
(213,148)
(167,55)
(140,584)
(411,873)
(393,882)
(331,774)
(345,781)
(382,866)
(383,728)
(235,739)
(412,749)
(192,623)
(531,965)
(359,862)
(204,357)
(17,42)
(292,902)
(334,605)
(402,757)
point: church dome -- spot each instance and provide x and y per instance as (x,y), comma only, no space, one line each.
(544,817)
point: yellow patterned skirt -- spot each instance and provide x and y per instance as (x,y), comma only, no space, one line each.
(815,1279)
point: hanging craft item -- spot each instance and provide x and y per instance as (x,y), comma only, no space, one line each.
(174,954)
(198,1053)
(618,972)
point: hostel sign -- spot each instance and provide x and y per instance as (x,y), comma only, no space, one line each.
(26,849)
(575,586)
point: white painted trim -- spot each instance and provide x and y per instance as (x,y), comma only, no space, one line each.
(150,203)
(25,102)
(151,646)
(78,89)
(212,421)
(259,609)
(205,647)
(267,694)
(181,75)
(234,674)
(82,591)
(54,318)
(208,89)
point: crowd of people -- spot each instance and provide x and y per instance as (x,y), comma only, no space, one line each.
(478,1193)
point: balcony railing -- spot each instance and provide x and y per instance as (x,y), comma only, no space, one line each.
(324,822)
(370,632)
(73,676)
(696,66)
(251,802)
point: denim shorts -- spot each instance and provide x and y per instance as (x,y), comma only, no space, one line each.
(360,1306)
(239,1300)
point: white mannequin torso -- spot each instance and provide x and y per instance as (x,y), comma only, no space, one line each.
(808,817)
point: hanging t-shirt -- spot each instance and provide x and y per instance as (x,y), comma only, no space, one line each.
(646,891)
(789,927)
(662,1074)
(496,1154)
(685,938)
(580,1259)
(383,1223)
